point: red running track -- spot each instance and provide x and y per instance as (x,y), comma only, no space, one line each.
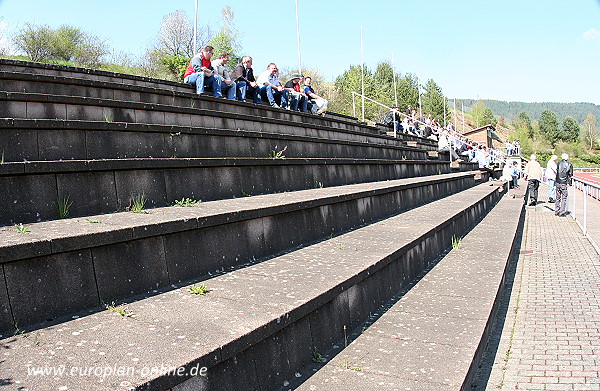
(592,177)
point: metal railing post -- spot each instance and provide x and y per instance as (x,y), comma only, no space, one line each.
(585,195)
(573,195)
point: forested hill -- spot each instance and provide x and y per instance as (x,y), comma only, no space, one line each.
(510,110)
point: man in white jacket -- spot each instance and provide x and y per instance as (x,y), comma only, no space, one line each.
(533,173)
(551,178)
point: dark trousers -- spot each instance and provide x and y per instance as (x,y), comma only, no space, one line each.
(562,192)
(532,190)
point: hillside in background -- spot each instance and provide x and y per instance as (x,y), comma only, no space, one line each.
(510,110)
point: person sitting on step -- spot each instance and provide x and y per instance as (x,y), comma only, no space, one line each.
(222,74)
(200,72)
(316,104)
(243,76)
(270,87)
(298,99)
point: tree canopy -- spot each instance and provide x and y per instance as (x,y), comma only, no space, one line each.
(549,126)
(482,115)
(66,43)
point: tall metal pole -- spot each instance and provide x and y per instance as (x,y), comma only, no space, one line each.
(298,36)
(394,74)
(420,105)
(443,97)
(463,115)
(455,113)
(195,27)
(362,72)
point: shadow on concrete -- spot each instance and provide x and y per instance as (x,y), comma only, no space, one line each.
(484,370)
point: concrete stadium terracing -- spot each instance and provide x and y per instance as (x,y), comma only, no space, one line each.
(296,252)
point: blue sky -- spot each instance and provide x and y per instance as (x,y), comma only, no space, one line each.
(522,50)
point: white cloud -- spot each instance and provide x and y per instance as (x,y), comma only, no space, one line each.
(592,34)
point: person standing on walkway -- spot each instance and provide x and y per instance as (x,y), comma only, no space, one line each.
(533,174)
(564,178)
(551,178)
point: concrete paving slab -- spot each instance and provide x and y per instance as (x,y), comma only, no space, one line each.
(177,329)
(550,317)
(433,333)
(341,378)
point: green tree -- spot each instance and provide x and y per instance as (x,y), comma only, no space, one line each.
(226,39)
(590,131)
(524,122)
(549,126)
(67,43)
(408,91)
(170,55)
(35,41)
(482,115)
(350,81)
(570,129)
(433,101)
(384,87)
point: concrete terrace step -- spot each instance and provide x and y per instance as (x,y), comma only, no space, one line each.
(71,265)
(32,191)
(28,67)
(64,140)
(258,325)
(193,111)
(44,80)
(433,337)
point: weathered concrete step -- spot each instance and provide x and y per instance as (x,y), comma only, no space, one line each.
(169,93)
(257,325)
(32,191)
(28,67)
(70,75)
(432,338)
(29,140)
(195,112)
(71,265)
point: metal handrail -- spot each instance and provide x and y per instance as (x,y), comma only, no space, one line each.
(453,134)
(589,189)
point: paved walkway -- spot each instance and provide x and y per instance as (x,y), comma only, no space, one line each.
(550,336)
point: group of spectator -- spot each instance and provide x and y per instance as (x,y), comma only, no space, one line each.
(460,147)
(559,176)
(513,148)
(240,84)
(421,126)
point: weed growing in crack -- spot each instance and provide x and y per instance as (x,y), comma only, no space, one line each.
(456,242)
(277,154)
(22,229)
(186,202)
(63,205)
(124,312)
(198,289)
(318,357)
(137,203)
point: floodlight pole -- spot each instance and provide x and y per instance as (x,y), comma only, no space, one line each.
(444,98)
(362,72)
(463,115)
(455,114)
(420,106)
(298,37)
(394,74)
(195,27)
